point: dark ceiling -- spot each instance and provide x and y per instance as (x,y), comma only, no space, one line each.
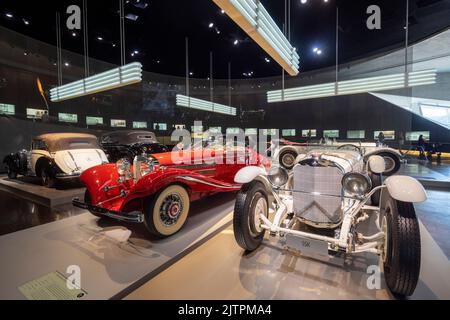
(158,35)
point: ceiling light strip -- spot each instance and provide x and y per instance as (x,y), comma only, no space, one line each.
(115,78)
(254,19)
(194,103)
(389,82)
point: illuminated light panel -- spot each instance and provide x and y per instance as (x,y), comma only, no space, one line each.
(193,103)
(112,79)
(254,19)
(380,83)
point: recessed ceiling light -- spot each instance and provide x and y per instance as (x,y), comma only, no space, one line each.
(66,64)
(26,22)
(99,38)
(74,34)
(267,60)
(304,1)
(211,25)
(236,42)
(9,15)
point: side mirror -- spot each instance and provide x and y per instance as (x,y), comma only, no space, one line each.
(377,164)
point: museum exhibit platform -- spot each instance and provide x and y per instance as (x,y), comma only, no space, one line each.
(274,273)
(30,189)
(109,269)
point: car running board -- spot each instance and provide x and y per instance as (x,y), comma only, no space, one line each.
(133,217)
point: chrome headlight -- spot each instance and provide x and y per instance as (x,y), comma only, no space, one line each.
(142,166)
(278,176)
(356,184)
(123,167)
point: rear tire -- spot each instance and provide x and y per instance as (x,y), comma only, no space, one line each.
(167,212)
(402,254)
(287,159)
(48,179)
(251,201)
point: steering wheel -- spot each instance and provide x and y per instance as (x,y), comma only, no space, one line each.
(350,147)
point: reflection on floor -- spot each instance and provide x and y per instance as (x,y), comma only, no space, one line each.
(428,170)
(19,214)
(435,215)
(220,270)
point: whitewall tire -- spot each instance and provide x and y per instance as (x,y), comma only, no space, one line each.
(167,212)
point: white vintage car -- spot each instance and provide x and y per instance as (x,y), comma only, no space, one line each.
(56,156)
(288,152)
(322,205)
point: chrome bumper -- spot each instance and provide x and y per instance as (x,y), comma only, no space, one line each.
(134,217)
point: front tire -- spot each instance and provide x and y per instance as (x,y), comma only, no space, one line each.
(11,173)
(167,212)
(251,201)
(402,249)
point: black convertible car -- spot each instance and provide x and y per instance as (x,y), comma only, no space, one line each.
(129,144)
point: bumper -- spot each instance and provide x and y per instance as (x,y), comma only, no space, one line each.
(134,217)
(67,176)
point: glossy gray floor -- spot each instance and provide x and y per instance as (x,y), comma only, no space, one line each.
(220,270)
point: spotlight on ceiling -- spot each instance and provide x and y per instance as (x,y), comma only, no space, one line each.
(74,34)
(132,17)
(236,42)
(319,52)
(222,11)
(66,64)
(316,49)
(303,1)
(99,38)
(267,60)
(191,73)
(211,25)
(26,22)
(9,15)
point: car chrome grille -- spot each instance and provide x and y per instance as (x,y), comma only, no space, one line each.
(317,194)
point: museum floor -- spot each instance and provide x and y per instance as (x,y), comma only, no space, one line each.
(205,252)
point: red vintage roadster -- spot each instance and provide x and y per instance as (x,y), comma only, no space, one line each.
(157,191)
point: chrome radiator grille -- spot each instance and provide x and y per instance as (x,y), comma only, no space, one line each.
(317,194)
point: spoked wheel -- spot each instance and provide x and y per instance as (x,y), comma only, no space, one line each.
(392,163)
(402,248)
(251,203)
(167,212)
(47,178)
(287,159)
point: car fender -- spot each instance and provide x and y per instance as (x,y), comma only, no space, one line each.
(197,184)
(405,189)
(248,174)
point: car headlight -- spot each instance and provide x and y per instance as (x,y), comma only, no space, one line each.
(123,167)
(278,176)
(356,184)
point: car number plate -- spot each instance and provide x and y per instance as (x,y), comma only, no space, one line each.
(307,246)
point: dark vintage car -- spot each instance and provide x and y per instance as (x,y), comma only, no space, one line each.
(129,144)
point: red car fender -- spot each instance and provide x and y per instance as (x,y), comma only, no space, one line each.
(197,185)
